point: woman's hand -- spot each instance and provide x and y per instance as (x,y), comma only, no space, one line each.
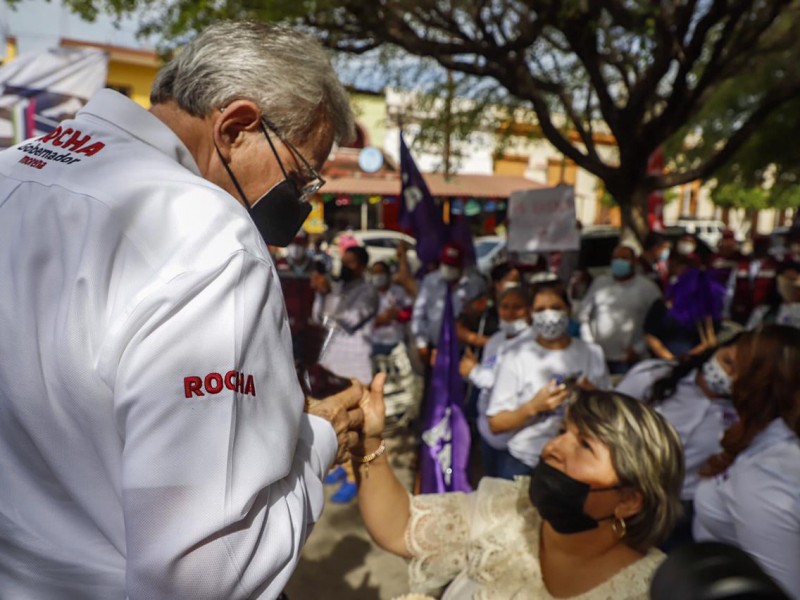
(374,411)
(550,397)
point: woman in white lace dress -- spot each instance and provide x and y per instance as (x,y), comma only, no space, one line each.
(583,526)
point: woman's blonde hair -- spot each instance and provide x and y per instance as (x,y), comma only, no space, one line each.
(646,453)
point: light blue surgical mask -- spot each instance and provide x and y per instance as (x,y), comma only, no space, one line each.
(621,268)
(664,256)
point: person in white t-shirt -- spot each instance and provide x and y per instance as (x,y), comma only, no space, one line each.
(750,496)
(613,311)
(514,318)
(531,385)
(154,438)
(695,397)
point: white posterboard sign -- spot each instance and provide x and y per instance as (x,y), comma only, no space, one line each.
(542,220)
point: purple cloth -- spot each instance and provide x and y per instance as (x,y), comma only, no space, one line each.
(458,232)
(445,439)
(418,212)
(695,296)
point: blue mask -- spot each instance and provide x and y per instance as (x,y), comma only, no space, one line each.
(664,257)
(621,268)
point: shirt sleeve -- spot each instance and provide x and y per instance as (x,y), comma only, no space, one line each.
(598,368)
(419,316)
(221,470)
(767,524)
(506,388)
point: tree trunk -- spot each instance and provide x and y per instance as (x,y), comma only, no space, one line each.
(634,215)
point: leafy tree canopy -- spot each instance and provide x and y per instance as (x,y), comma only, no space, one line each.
(699,76)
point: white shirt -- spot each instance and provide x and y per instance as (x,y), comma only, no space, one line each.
(755,505)
(426,320)
(394,296)
(135,295)
(613,313)
(350,309)
(526,370)
(482,376)
(699,420)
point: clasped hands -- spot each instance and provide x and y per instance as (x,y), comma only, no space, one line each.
(356,415)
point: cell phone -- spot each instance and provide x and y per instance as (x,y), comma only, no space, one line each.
(568,380)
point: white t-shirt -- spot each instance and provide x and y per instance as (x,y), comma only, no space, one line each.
(152,436)
(613,313)
(482,376)
(527,369)
(755,505)
(699,420)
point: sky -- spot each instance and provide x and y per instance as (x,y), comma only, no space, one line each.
(38,24)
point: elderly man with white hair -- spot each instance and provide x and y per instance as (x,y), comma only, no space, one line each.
(153,437)
(613,311)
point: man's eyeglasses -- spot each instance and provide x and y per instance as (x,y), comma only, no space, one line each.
(311,181)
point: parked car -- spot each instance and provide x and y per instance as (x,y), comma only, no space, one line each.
(381,244)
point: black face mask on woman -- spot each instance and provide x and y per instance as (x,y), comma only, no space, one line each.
(560,499)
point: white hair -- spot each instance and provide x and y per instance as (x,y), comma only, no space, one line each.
(285,72)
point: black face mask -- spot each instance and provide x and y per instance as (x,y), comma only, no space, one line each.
(278,214)
(560,499)
(346,274)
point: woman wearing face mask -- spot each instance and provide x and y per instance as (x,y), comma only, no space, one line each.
(529,390)
(584,525)
(514,328)
(784,307)
(694,396)
(751,498)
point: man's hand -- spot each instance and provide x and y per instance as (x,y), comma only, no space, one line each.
(343,412)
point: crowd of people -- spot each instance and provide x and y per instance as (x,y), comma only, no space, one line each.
(163,437)
(660,347)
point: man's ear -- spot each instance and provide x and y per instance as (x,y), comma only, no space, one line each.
(236,119)
(631,504)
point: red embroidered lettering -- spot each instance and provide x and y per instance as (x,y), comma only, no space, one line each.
(193,385)
(249,387)
(91,150)
(57,141)
(53,134)
(213,383)
(230,380)
(75,141)
(240,383)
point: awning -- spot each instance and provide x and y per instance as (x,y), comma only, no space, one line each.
(457,186)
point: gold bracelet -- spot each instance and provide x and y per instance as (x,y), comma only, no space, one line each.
(365,460)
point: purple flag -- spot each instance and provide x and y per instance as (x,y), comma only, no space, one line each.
(445,439)
(418,211)
(458,232)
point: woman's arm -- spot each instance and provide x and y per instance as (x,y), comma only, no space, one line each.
(382,499)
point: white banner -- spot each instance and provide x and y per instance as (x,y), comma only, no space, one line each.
(40,89)
(543,220)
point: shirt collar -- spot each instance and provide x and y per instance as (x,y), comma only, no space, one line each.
(123,113)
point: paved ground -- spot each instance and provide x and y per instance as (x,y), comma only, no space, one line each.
(340,561)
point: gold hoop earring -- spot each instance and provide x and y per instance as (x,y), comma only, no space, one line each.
(619,527)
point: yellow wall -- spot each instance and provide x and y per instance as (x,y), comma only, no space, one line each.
(10,50)
(136,79)
(370,111)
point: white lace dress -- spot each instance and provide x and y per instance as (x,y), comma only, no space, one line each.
(485,545)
